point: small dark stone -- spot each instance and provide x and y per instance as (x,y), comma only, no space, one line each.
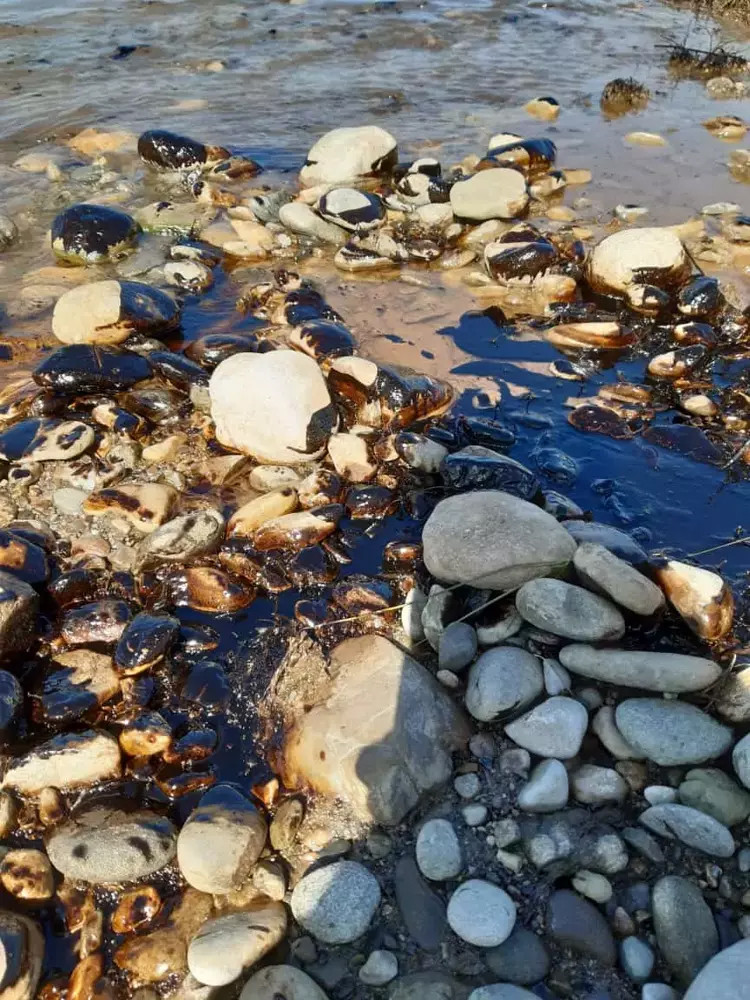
(207,685)
(479,468)
(421,908)
(145,641)
(178,369)
(92,233)
(575,923)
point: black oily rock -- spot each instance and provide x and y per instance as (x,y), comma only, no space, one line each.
(479,468)
(11,702)
(87,234)
(41,439)
(304,305)
(206,684)
(22,558)
(211,350)
(422,910)
(323,339)
(101,621)
(145,641)
(487,432)
(351,209)
(19,604)
(618,542)
(84,368)
(178,369)
(700,297)
(168,151)
(156,403)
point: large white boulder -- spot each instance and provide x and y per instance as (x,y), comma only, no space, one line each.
(346,154)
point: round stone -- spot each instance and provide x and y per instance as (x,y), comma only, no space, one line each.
(499,193)
(726,976)
(380,968)
(616,263)
(108,312)
(88,234)
(457,647)
(547,788)
(502,680)
(570,611)
(553,729)
(438,851)
(741,760)
(336,903)
(225,946)
(685,927)
(521,959)
(345,154)
(481,913)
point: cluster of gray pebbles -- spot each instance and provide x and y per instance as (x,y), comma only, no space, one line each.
(509,764)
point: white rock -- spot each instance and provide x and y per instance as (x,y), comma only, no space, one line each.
(225,946)
(741,760)
(348,452)
(380,968)
(502,680)
(68,761)
(273,406)
(438,851)
(481,913)
(725,977)
(553,729)
(336,903)
(654,671)
(569,611)
(467,785)
(547,788)
(604,572)
(657,795)
(593,785)
(490,194)
(592,885)
(346,154)
(474,815)
(613,265)
(301,219)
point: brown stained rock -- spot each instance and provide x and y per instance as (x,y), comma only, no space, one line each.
(701,598)
(380,762)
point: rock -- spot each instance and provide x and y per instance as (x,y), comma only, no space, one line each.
(553,729)
(357,211)
(379,763)
(90,234)
(602,571)
(671,733)
(595,786)
(432,985)
(654,671)
(694,828)
(27,874)
(636,958)
(617,542)
(21,956)
(145,506)
(592,885)
(225,946)
(490,194)
(478,468)
(481,913)
(605,727)
(411,614)
(164,150)
(741,760)
(422,910)
(347,154)
(351,459)
(684,924)
(701,598)
(521,959)
(725,976)
(77,369)
(220,841)
(557,680)
(274,406)
(614,265)
(42,439)
(503,680)
(103,844)
(380,968)
(19,604)
(108,312)
(658,991)
(336,903)
(494,540)
(184,537)
(457,647)
(575,923)
(175,218)
(713,792)
(251,515)
(281,981)
(81,680)
(67,762)
(301,219)
(8,231)
(573,612)
(467,785)
(438,851)
(501,991)
(420,452)
(733,698)
(546,789)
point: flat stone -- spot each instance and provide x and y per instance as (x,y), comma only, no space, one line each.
(181,538)
(501,991)
(438,851)
(80,368)
(90,234)
(654,671)
(602,571)
(146,506)
(605,727)
(432,985)
(694,828)
(491,539)
(617,542)
(503,680)
(251,515)
(553,729)
(713,792)
(725,976)
(81,680)
(67,762)
(478,468)
(351,459)
(574,923)
(225,946)
(422,910)
(301,219)
(481,913)
(685,928)
(103,845)
(521,959)
(636,958)
(569,611)
(281,981)
(490,194)
(336,903)
(220,841)
(379,763)
(380,968)
(671,733)
(547,788)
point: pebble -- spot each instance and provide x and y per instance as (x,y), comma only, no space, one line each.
(467,785)
(474,815)
(656,795)
(733,700)
(380,968)
(613,539)
(501,991)
(694,828)
(602,571)
(654,671)
(671,733)
(613,265)
(421,908)
(658,991)
(713,792)
(645,139)
(411,614)
(725,976)
(457,647)
(637,959)
(605,727)
(546,790)
(281,981)
(741,760)
(42,439)
(684,924)
(301,219)
(145,506)
(569,611)
(346,154)
(553,729)
(574,923)
(220,841)
(502,680)
(27,874)
(521,959)
(556,678)
(90,234)
(701,597)
(225,946)
(181,538)
(592,885)
(438,851)
(22,951)
(108,312)
(336,903)
(490,194)
(481,913)
(68,761)
(595,786)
